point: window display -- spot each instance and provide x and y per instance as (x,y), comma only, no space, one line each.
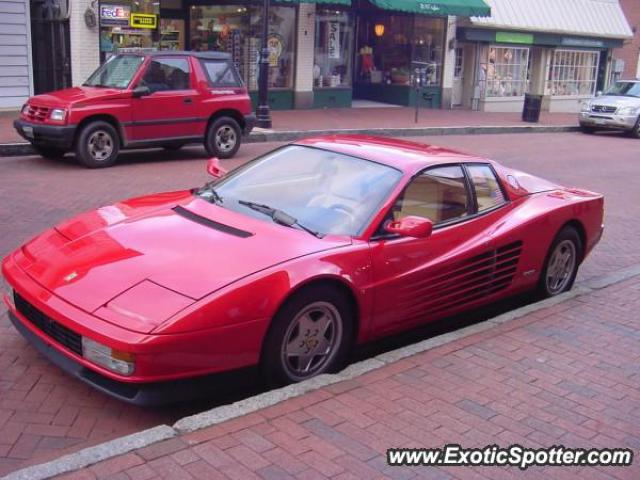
(390,43)
(504,71)
(116,33)
(171,34)
(237,29)
(333,49)
(573,72)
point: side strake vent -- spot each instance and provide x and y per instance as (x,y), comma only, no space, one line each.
(183,212)
(466,281)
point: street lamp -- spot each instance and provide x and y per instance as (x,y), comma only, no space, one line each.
(263,114)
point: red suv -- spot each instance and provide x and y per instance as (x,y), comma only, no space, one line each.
(162,99)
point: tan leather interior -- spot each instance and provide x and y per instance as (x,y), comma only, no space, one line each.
(436,198)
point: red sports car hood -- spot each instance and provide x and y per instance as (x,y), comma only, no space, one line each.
(75,95)
(174,240)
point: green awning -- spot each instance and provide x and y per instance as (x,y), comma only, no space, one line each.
(459,8)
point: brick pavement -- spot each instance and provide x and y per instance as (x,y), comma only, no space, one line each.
(402,117)
(568,374)
(44,413)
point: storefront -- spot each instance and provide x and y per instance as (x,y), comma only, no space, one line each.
(561,55)
(128,26)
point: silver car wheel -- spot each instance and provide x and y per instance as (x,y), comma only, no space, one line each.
(311,340)
(100,145)
(226,138)
(560,268)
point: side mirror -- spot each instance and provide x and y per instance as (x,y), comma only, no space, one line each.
(599,93)
(214,169)
(411,226)
(140,91)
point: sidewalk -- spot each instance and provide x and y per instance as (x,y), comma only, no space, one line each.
(291,124)
(565,374)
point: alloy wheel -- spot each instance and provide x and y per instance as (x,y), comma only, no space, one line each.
(561,265)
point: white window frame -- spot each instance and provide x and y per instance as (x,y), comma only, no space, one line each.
(500,86)
(570,75)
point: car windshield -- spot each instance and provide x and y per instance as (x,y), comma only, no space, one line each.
(117,72)
(323,191)
(626,89)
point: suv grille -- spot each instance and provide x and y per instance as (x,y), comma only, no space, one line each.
(36,113)
(58,332)
(603,109)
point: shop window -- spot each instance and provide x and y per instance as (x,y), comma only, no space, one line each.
(333,49)
(237,29)
(504,71)
(573,72)
(220,73)
(487,188)
(428,42)
(167,74)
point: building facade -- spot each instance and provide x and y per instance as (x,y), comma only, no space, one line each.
(16,78)
(629,54)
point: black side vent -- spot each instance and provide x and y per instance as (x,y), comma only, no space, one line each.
(194,217)
(54,330)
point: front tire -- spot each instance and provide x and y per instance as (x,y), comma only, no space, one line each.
(635,133)
(561,264)
(51,153)
(309,336)
(97,145)
(223,138)
(587,129)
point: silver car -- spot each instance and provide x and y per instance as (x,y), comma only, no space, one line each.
(617,109)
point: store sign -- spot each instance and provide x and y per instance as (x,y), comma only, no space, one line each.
(581,42)
(143,20)
(429,7)
(333,40)
(514,37)
(114,14)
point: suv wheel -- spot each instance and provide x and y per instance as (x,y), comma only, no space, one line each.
(97,145)
(635,133)
(52,153)
(587,129)
(223,138)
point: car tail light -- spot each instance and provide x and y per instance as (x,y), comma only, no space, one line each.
(115,360)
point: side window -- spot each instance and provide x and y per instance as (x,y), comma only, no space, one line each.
(439,194)
(220,73)
(167,74)
(488,191)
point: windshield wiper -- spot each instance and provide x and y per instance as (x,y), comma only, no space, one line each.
(278,216)
(208,192)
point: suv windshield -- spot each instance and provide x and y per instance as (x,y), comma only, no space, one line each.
(323,191)
(117,72)
(626,89)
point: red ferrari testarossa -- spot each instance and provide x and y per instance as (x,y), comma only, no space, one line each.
(290,260)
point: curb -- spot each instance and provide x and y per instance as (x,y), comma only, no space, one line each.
(119,446)
(20,149)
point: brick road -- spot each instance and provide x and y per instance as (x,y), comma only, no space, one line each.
(564,375)
(44,413)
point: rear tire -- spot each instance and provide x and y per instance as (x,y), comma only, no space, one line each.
(561,264)
(98,145)
(223,138)
(310,335)
(51,153)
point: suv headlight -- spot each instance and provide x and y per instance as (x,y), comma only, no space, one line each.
(585,107)
(628,111)
(114,360)
(58,114)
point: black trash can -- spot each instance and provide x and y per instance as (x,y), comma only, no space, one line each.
(532,107)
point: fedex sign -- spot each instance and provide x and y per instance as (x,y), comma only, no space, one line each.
(114,14)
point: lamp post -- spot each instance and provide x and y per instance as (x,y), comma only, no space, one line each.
(263,114)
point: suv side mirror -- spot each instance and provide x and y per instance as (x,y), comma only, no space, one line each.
(214,169)
(411,226)
(140,91)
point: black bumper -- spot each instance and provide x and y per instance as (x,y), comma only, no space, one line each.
(249,122)
(46,135)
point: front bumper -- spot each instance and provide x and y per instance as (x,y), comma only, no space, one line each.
(606,120)
(249,122)
(59,136)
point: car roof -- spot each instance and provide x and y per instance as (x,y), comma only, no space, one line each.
(410,157)
(170,53)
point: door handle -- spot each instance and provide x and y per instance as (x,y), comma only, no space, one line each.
(188,100)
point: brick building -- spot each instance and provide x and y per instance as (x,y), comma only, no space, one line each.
(630,53)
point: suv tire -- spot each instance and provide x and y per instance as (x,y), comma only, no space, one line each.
(98,145)
(223,138)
